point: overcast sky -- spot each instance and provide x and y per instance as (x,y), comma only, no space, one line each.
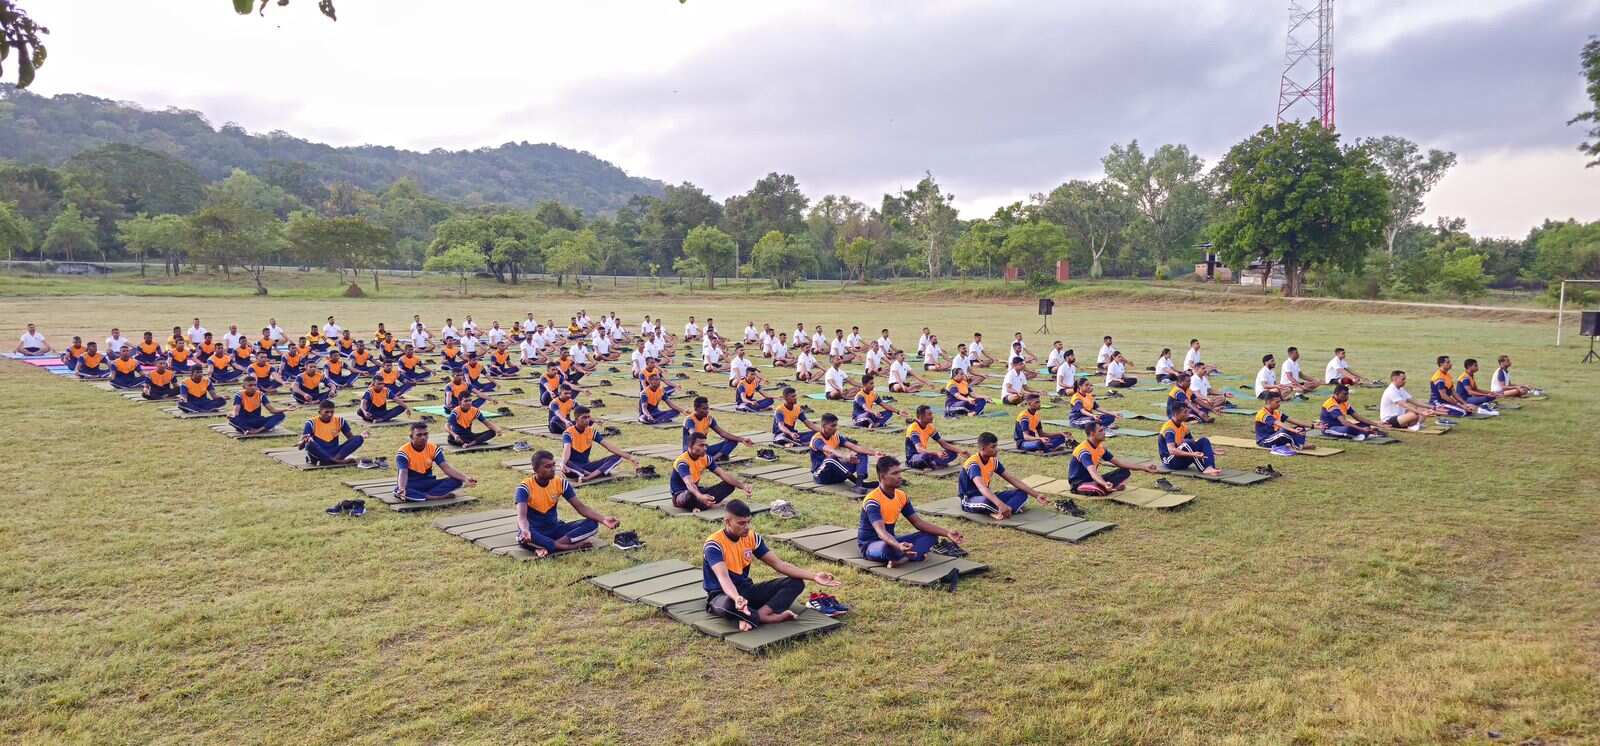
(999,99)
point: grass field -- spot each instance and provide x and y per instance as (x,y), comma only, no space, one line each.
(160,583)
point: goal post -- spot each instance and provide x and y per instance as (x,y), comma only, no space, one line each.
(1561,306)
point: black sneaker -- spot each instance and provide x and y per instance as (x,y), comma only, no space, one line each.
(766,454)
(1070,507)
(948,548)
(597,403)
(680,376)
(952,578)
(604,382)
(627,541)
(339,508)
(610,431)
(358,508)
(1166,485)
(613,369)
(1268,471)
(503,411)
(648,472)
(427,418)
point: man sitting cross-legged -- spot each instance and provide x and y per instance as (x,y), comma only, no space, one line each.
(1467,389)
(562,412)
(1083,472)
(1290,379)
(320,438)
(882,509)
(868,410)
(414,462)
(1181,396)
(730,593)
(312,385)
(195,395)
(1179,450)
(578,441)
(539,529)
(459,422)
(161,383)
(701,421)
(925,448)
(1501,382)
(1029,432)
(1014,389)
(974,487)
(836,459)
(747,395)
(959,399)
(1397,408)
(1338,419)
(126,373)
(378,405)
(684,483)
(838,386)
(252,413)
(1085,412)
(654,406)
(787,418)
(1275,430)
(1442,392)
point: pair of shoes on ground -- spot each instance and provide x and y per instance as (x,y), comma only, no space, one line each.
(353,508)
(627,541)
(381,462)
(1070,507)
(825,603)
(783,509)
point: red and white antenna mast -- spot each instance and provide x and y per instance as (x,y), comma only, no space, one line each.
(1306,89)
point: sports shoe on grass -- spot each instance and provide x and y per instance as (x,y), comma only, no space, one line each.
(826,604)
(783,509)
(627,541)
(1282,451)
(948,548)
(766,454)
(521,446)
(1070,508)
(358,508)
(339,508)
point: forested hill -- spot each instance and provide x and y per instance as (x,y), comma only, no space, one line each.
(48,131)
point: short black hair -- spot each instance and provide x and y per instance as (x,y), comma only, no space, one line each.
(1341,389)
(695,437)
(579,411)
(829,417)
(987,439)
(1272,396)
(1265,358)
(1293,349)
(1441,360)
(540,457)
(701,400)
(1469,362)
(787,390)
(415,426)
(736,508)
(923,409)
(886,463)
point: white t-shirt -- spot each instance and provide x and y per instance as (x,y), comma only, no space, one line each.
(469,326)
(1497,382)
(961,362)
(1290,372)
(885,345)
(332,330)
(804,362)
(496,335)
(1114,371)
(772,347)
(835,379)
(1020,345)
(1199,386)
(1014,383)
(819,343)
(690,330)
(1164,366)
(275,332)
(1105,354)
(1066,375)
(976,348)
(1335,370)
(529,349)
(449,332)
(114,345)
(469,343)
(1055,359)
(529,325)
(922,344)
(931,354)
(737,367)
(854,340)
(419,338)
(712,354)
(801,337)
(1389,405)
(197,334)
(602,345)
(1190,358)
(1264,380)
(874,359)
(32,339)
(898,372)
(580,354)
(838,347)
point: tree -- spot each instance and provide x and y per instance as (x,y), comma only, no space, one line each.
(1164,191)
(1411,176)
(340,243)
(1292,195)
(925,215)
(1461,274)
(71,233)
(574,255)
(1034,248)
(247,191)
(855,254)
(139,180)
(145,235)
(1567,250)
(16,235)
(1591,73)
(712,248)
(980,248)
(460,259)
(690,267)
(225,234)
(556,215)
(784,259)
(669,219)
(507,239)
(1095,215)
(18,32)
(826,222)
(775,203)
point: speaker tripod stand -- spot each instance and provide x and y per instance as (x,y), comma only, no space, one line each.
(1592,356)
(1044,328)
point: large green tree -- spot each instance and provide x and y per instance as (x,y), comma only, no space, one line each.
(669,219)
(775,203)
(139,180)
(145,235)
(1034,248)
(784,259)
(980,248)
(72,236)
(1590,57)
(508,240)
(16,235)
(713,249)
(1292,195)
(577,253)
(1165,191)
(1095,215)
(925,215)
(461,259)
(340,243)
(230,233)
(1411,173)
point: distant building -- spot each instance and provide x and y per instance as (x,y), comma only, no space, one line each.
(1223,274)
(1256,275)
(80,268)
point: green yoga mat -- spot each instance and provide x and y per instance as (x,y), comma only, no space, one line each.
(675,588)
(1228,476)
(1034,519)
(659,497)
(838,544)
